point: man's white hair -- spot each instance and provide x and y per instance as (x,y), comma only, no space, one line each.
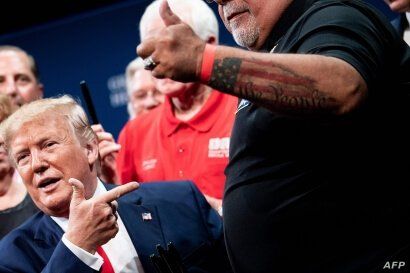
(196,13)
(134,66)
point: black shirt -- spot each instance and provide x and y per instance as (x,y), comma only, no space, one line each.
(327,195)
(15,216)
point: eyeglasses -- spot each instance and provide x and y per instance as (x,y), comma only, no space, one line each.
(219,2)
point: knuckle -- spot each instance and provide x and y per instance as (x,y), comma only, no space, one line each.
(158,73)
(115,231)
(107,212)
(107,136)
(112,221)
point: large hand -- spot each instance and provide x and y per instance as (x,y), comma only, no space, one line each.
(93,222)
(108,150)
(176,50)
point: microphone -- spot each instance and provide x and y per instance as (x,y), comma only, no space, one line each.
(89,103)
(167,260)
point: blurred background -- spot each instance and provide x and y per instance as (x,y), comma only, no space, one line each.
(82,40)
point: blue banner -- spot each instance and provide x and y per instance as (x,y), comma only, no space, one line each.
(94,46)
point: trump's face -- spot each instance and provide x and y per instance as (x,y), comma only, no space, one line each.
(47,153)
(251,21)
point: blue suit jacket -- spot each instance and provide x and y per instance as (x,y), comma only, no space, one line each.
(180,214)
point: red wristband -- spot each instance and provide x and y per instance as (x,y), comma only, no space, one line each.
(208,59)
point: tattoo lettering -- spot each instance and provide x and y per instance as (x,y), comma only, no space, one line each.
(311,101)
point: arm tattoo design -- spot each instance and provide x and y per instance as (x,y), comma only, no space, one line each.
(225,73)
(269,85)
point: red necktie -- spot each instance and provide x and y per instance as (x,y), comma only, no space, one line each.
(106,267)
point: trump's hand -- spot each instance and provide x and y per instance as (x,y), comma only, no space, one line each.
(176,50)
(93,222)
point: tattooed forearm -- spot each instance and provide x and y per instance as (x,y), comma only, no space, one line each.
(225,73)
(270,85)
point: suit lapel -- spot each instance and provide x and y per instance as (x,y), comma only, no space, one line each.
(144,233)
(47,235)
(48,231)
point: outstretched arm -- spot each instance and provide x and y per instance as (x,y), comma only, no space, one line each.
(289,84)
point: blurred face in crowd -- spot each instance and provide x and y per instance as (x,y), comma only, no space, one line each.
(144,94)
(47,153)
(17,79)
(173,88)
(251,21)
(6,169)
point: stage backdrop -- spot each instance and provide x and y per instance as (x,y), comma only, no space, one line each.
(94,46)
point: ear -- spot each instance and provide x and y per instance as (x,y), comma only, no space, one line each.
(40,88)
(211,40)
(91,148)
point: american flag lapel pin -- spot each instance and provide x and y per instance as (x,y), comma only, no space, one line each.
(146,216)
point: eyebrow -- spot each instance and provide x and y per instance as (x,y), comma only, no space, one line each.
(38,142)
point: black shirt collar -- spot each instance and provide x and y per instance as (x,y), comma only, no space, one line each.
(291,14)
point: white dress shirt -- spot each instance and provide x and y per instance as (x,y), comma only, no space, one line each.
(406,35)
(120,249)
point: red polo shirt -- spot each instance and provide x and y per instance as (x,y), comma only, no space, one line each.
(158,146)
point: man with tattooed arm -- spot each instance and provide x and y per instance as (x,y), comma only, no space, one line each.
(316,180)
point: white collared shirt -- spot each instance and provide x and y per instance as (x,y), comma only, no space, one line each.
(406,34)
(120,249)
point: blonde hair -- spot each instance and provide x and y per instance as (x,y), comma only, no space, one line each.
(6,107)
(64,106)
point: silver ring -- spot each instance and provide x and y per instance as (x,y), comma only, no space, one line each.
(149,63)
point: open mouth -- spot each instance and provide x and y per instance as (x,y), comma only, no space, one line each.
(47,182)
(235,14)
(232,16)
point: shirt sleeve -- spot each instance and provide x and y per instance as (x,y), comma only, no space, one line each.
(354,33)
(93,261)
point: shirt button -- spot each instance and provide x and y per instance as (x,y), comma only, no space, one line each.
(181,173)
(180,150)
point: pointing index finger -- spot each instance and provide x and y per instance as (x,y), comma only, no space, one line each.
(117,192)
